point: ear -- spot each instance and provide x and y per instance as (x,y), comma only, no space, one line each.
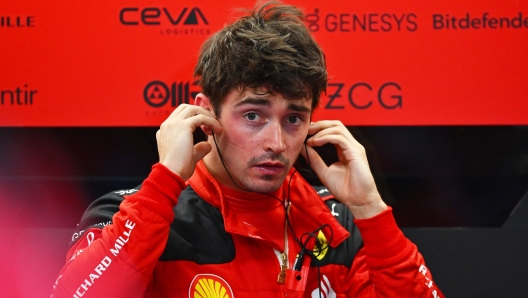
(203,101)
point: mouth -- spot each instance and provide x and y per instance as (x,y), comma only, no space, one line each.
(270,168)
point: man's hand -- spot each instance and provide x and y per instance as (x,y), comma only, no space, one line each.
(175,139)
(349,179)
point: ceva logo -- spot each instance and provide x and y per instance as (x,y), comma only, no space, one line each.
(155,16)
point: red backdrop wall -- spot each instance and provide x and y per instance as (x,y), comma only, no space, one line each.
(129,63)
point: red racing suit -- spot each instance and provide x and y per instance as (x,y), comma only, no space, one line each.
(173,238)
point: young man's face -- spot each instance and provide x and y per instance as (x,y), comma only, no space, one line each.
(262,137)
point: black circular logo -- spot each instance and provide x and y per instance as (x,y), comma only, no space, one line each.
(156,94)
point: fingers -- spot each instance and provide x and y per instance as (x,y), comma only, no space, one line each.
(334,132)
(329,127)
(204,121)
(194,116)
(325,124)
(315,161)
(175,138)
(200,150)
(336,139)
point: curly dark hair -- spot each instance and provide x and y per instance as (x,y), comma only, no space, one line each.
(269,47)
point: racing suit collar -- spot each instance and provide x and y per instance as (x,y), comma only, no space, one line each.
(308,211)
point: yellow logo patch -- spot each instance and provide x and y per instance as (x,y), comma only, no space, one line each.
(209,286)
(321,253)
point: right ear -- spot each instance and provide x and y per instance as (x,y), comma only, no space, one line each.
(203,101)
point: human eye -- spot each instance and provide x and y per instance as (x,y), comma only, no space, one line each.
(252,116)
(294,119)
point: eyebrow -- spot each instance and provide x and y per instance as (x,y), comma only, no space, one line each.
(267,102)
(299,108)
(254,101)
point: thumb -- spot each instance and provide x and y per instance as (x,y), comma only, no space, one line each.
(200,150)
(315,161)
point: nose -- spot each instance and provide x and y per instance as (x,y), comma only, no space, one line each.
(275,138)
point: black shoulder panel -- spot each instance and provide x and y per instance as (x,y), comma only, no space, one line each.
(345,253)
(100,212)
(198,233)
(322,191)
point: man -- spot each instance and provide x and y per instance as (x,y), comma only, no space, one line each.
(230,216)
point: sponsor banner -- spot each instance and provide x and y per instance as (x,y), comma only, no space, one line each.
(130,63)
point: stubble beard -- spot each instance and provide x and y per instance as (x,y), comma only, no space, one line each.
(264,183)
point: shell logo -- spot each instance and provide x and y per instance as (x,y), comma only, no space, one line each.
(209,286)
(320,254)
